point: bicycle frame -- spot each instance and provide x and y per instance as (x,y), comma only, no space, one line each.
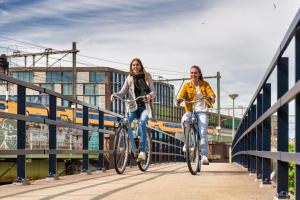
(126,123)
(194,123)
(194,118)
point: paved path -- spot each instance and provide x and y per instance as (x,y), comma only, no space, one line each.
(165,181)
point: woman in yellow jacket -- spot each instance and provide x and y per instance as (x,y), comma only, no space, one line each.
(191,91)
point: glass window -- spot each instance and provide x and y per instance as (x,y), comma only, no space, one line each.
(45,100)
(49,86)
(53,77)
(89,89)
(67,89)
(65,103)
(67,77)
(14,74)
(24,76)
(92,100)
(97,100)
(97,77)
(32,98)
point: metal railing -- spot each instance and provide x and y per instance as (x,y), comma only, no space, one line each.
(166,147)
(251,146)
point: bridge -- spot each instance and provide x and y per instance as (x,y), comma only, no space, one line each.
(247,177)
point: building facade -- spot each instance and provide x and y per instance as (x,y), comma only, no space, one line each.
(94,85)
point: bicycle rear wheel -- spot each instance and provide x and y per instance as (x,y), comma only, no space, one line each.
(192,150)
(143,165)
(121,149)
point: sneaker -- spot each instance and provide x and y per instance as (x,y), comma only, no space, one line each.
(204,160)
(184,148)
(141,157)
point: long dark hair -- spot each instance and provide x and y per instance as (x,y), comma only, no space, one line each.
(199,70)
(141,64)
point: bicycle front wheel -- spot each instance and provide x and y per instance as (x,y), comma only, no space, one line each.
(192,150)
(121,150)
(143,165)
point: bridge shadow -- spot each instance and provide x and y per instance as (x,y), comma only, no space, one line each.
(160,173)
(229,173)
(74,182)
(106,182)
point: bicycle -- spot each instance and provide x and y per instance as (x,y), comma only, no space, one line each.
(192,139)
(126,145)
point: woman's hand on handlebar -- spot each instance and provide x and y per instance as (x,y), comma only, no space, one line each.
(177,103)
(213,99)
(114,96)
(149,98)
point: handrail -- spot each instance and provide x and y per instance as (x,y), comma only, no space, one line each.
(282,47)
(251,146)
(165,146)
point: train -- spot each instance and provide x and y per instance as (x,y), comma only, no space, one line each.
(67,114)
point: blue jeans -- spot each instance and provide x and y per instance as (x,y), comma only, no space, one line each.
(203,125)
(142,112)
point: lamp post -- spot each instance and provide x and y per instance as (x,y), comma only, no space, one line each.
(233,97)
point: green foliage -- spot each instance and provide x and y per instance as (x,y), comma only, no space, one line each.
(292,171)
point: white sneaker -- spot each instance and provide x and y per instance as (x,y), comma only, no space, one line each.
(141,157)
(184,148)
(204,160)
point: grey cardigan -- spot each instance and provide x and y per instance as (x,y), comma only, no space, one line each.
(128,88)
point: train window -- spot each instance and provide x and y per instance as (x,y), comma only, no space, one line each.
(2,106)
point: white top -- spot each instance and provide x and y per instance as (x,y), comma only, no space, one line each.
(200,106)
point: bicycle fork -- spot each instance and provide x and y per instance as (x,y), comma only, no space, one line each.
(132,142)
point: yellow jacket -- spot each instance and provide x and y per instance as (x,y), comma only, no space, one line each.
(188,92)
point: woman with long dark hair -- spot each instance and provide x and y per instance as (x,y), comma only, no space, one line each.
(138,83)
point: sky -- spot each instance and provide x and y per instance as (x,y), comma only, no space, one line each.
(238,38)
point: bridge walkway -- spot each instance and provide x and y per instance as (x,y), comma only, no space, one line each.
(164,181)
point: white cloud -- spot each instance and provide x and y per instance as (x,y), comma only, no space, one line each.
(237,38)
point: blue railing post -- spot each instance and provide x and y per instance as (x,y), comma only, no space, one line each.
(52,137)
(101,141)
(21,135)
(177,150)
(157,148)
(153,146)
(243,143)
(244,139)
(168,147)
(85,140)
(297,111)
(173,149)
(283,127)
(248,139)
(181,151)
(163,146)
(242,146)
(266,133)
(253,139)
(259,137)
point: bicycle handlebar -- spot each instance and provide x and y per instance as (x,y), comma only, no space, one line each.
(127,100)
(192,102)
